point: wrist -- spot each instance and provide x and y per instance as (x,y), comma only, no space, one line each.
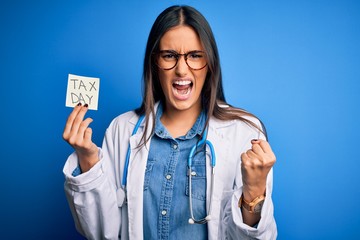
(87,161)
(254,206)
(250,193)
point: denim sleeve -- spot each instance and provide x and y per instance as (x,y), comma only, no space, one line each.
(76,172)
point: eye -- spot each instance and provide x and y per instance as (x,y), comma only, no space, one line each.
(195,55)
(168,55)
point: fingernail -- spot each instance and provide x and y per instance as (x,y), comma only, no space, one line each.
(86,105)
(79,104)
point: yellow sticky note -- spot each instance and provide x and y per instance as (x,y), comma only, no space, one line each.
(84,90)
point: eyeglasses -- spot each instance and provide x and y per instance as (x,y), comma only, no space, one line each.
(168,59)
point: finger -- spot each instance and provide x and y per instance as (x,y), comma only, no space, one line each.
(250,162)
(256,148)
(245,160)
(76,139)
(251,154)
(250,158)
(265,146)
(70,121)
(88,136)
(244,157)
(78,120)
(83,127)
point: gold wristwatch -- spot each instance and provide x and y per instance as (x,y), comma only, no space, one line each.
(254,206)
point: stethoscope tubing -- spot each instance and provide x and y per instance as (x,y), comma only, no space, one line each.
(203,141)
(127,159)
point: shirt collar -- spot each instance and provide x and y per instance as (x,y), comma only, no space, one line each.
(196,129)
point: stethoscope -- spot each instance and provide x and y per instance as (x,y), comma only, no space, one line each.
(203,141)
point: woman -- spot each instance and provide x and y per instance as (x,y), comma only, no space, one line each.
(148,194)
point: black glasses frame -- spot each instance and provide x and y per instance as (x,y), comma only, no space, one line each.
(177,57)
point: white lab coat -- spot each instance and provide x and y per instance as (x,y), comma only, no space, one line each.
(95,201)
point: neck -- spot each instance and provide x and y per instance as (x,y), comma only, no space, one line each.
(179,122)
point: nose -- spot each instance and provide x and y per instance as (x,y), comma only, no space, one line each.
(181,67)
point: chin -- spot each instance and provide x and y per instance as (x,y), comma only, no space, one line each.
(183,105)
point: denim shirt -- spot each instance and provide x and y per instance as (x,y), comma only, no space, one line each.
(166,202)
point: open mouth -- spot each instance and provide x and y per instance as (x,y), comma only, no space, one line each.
(182,88)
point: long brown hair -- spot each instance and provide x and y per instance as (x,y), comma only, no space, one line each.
(212,92)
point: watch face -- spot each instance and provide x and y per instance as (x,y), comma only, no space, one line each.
(258,206)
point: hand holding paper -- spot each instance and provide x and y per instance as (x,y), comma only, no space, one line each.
(78,134)
(82,94)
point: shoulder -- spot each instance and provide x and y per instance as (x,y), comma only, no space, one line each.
(236,121)
(124,120)
(235,124)
(124,117)
(232,116)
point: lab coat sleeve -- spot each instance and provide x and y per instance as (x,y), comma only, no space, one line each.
(233,227)
(92,196)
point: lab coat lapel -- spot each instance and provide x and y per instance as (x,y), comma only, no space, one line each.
(135,185)
(135,180)
(221,147)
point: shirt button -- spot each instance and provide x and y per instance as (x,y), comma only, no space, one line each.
(163,212)
(175,146)
(168,177)
(193,173)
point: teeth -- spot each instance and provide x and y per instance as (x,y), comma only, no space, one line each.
(182,83)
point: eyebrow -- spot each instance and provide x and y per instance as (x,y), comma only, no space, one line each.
(171,50)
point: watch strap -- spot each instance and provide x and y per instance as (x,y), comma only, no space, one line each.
(252,206)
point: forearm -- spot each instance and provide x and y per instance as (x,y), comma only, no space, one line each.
(88,195)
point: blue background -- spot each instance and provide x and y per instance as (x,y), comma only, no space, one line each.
(293,63)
